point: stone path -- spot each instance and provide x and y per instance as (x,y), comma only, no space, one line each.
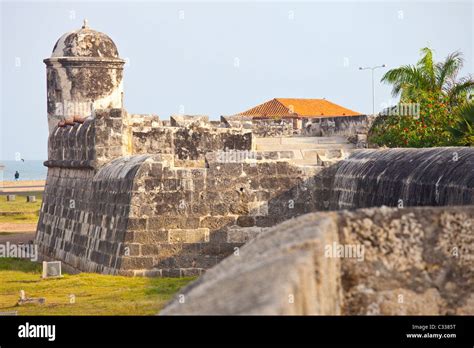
(308,150)
(22,186)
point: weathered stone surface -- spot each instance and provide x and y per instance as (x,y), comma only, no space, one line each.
(409,265)
(404,177)
(310,126)
(84,73)
(126,196)
(418,249)
(84,216)
(282,271)
(134,206)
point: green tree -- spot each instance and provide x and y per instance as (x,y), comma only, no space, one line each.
(440,96)
(430,77)
(428,128)
(463,129)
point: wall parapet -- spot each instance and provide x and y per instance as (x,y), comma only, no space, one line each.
(86,164)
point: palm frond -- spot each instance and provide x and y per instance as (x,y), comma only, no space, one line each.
(461,89)
(448,69)
(426,65)
(404,77)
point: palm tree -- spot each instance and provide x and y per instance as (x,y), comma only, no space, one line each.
(463,130)
(428,76)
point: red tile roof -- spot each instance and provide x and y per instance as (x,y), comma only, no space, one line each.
(294,107)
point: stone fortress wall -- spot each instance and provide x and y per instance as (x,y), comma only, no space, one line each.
(304,126)
(135,195)
(170,212)
(171,203)
(411,259)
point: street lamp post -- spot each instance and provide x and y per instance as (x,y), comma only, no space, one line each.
(372,68)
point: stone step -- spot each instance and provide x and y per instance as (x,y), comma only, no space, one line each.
(312,155)
(282,147)
(314,140)
(301,140)
(305,161)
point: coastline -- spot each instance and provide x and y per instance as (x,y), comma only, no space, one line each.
(22,186)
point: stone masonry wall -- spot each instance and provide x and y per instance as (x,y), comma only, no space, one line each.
(150,214)
(188,143)
(140,215)
(186,220)
(144,215)
(84,215)
(330,126)
(93,191)
(404,177)
(87,144)
(416,261)
(309,126)
(72,146)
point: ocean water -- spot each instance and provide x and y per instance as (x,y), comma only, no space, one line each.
(29,170)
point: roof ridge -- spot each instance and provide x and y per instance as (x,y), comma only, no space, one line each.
(343,107)
(284,106)
(300,107)
(302,98)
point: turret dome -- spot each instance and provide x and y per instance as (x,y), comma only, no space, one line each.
(85,42)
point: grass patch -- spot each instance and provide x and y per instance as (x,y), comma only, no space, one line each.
(28,212)
(94,294)
(20,204)
(22,265)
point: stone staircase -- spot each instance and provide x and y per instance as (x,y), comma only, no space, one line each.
(313,151)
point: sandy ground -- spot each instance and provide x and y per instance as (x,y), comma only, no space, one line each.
(22,186)
(19,232)
(17,227)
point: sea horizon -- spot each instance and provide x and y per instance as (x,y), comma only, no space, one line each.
(28,169)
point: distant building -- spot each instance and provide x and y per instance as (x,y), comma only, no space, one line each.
(298,108)
(304,116)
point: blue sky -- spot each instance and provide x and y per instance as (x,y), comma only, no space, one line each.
(221,58)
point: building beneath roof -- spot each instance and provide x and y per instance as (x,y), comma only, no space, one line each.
(297,116)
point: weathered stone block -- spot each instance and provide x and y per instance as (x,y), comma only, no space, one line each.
(246,221)
(130,249)
(171,273)
(137,224)
(190,272)
(11,198)
(130,263)
(217,222)
(258,208)
(200,235)
(151,236)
